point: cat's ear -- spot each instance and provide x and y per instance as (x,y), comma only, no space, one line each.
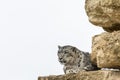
(59,47)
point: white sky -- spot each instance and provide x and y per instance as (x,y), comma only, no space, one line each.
(31,30)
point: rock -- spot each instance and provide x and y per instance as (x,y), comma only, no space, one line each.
(106,50)
(84,75)
(104,13)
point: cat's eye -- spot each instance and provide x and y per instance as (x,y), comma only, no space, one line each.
(66,52)
(59,51)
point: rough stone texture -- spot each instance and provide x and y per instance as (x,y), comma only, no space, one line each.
(106,50)
(84,75)
(104,13)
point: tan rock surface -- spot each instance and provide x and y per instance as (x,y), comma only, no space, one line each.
(104,13)
(106,50)
(84,75)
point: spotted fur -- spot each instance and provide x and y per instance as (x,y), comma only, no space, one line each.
(74,60)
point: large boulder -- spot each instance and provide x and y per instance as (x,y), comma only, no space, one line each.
(104,13)
(106,50)
(84,75)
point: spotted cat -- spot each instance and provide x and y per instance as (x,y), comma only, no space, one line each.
(74,60)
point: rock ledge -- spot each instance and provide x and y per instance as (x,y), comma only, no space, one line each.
(86,75)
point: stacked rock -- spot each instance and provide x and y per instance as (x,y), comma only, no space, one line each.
(105,46)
